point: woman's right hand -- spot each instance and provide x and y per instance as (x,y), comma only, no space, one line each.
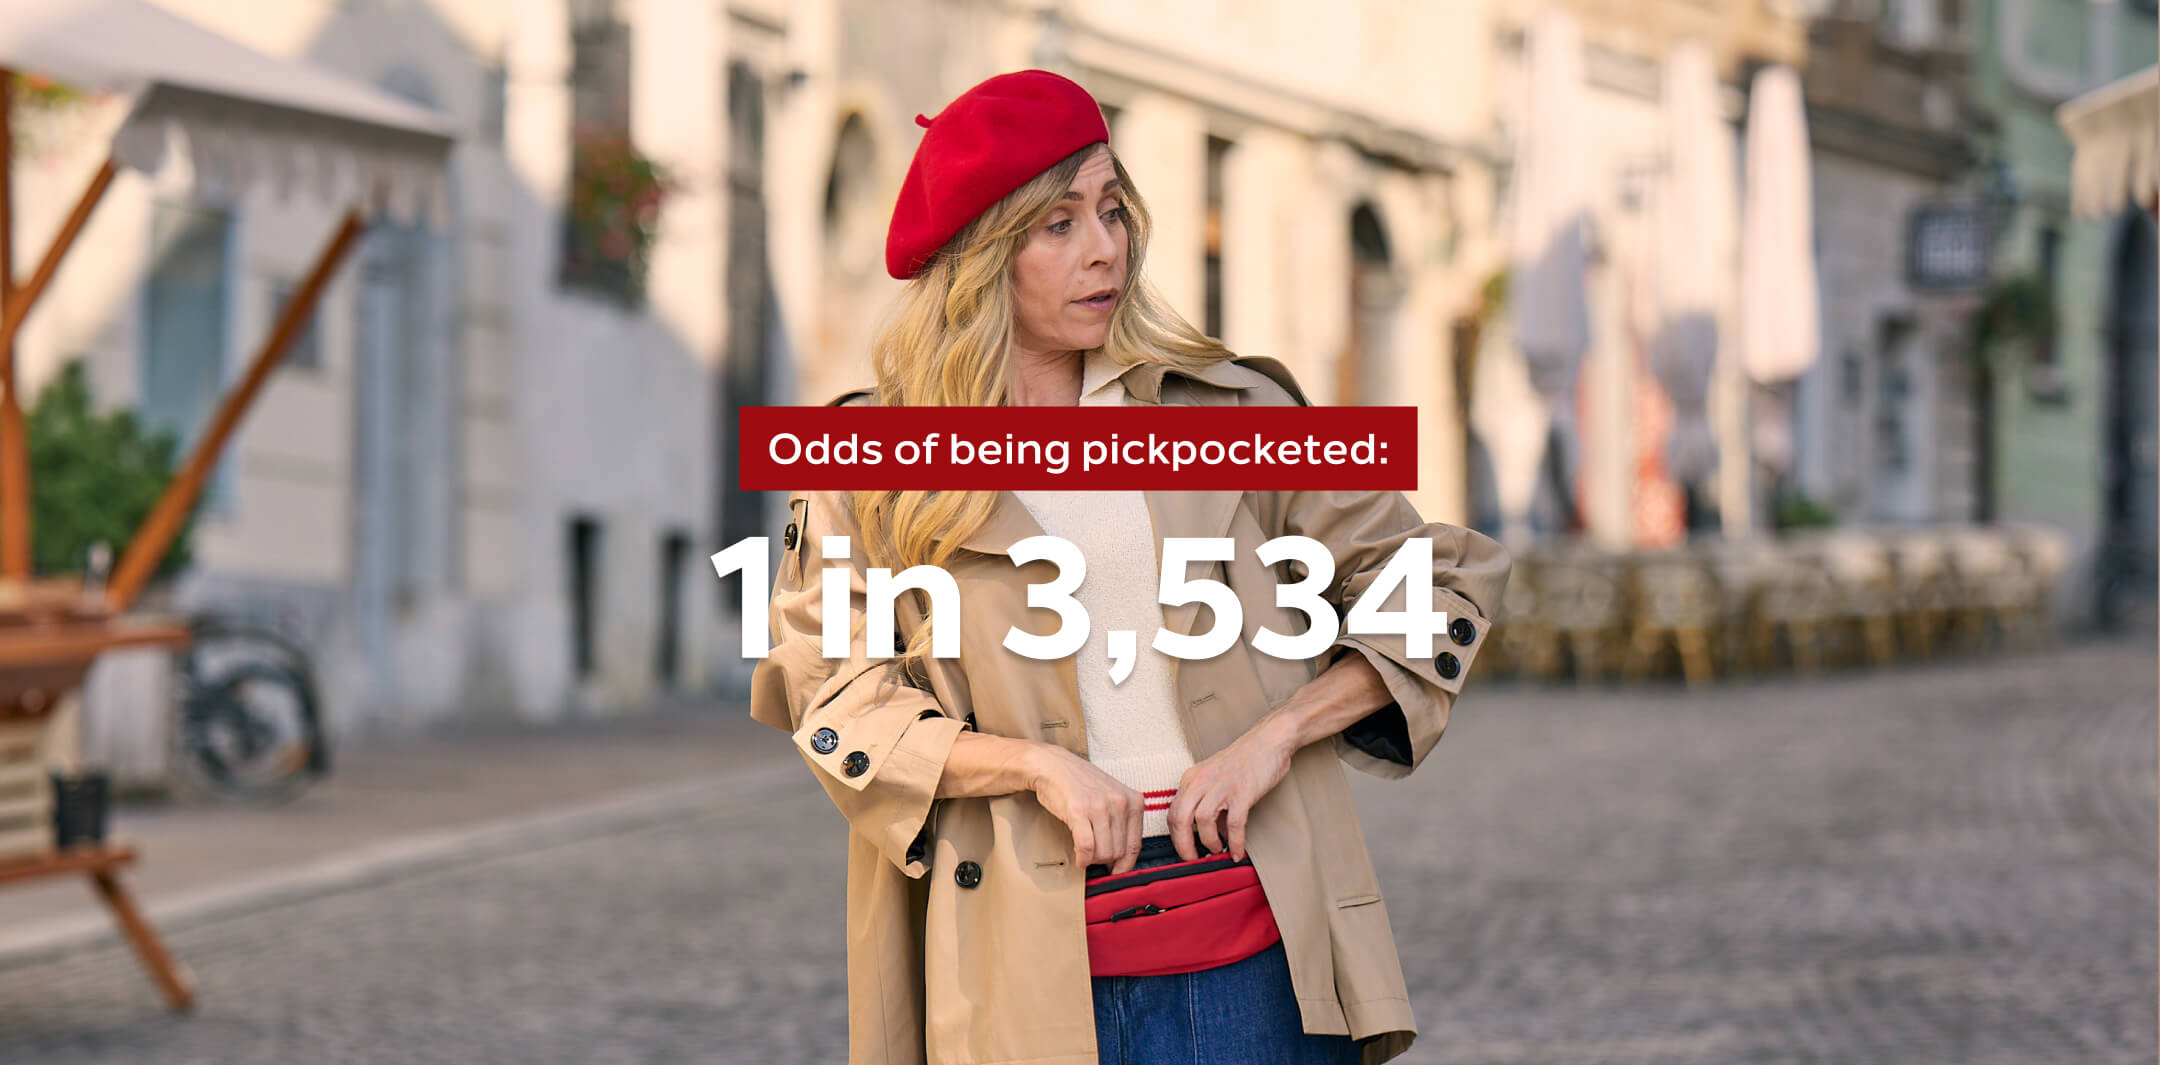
(1104,815)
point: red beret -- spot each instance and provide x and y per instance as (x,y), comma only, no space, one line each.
(995,138)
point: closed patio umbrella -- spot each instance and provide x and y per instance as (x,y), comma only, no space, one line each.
(1780,331)
(1693,256)
(1548,239)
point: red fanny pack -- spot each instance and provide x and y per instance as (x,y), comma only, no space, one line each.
(1179,918)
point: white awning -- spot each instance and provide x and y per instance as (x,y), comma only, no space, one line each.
(243,116)
(2116,132)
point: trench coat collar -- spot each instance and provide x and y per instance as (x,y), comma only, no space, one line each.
(1174,512)
(1143,382)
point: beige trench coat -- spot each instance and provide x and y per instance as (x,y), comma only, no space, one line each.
(950,974)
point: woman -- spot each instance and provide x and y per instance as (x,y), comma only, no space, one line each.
(981,789)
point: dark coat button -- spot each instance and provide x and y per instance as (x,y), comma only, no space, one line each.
(855,764)
(967,874)
(971,722)
(787,539)
(824,741)
(1462,631)
(1448,665)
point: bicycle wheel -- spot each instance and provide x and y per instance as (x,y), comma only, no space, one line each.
(247,733)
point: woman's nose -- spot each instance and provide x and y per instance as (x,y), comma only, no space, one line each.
(1104,248)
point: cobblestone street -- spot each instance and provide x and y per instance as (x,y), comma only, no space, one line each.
(1949,864)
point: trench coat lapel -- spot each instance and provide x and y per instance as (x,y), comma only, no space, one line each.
(1190,514)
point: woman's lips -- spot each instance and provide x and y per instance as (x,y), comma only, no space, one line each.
(1099,303)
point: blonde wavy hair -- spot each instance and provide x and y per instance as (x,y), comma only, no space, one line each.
(948,342)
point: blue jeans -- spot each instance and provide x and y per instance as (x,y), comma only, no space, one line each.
(1244,1013)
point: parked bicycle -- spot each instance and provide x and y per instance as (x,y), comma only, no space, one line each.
(250,729)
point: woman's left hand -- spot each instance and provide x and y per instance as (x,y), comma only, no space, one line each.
(1215,797)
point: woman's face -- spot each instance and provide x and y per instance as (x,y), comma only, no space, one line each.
(1067,277)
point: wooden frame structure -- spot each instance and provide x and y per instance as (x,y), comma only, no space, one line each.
(45,656)
(174,74)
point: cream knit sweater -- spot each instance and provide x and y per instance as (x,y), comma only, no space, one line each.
(1133,731)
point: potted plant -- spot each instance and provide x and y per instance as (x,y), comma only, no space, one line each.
(2019,311)
(93,477)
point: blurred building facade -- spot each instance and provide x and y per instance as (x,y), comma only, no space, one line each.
(1893,416)
(488,481)
(2074,439)
(483,483)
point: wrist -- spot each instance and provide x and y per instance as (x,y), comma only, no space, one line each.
(1283,728)
(1033,762)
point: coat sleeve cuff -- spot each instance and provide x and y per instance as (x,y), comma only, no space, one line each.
(1393,740)
(910,781)
(889,801)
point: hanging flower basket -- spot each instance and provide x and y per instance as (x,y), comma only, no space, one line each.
(614,213)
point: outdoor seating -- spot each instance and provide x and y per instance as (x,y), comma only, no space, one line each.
(1679,602)
(1717,608)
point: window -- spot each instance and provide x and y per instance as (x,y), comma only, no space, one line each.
(599,254)
(1217,150)
(186,300)
(306,350)
(754,339)
(2050,256)
(599,66)
(584,590)
(1913,25)
(667,651)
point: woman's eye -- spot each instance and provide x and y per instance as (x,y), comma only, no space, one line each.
(1115,214)
(1060,227)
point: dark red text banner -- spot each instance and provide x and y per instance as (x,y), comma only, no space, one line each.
(1078,448)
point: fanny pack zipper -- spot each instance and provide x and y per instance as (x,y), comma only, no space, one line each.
(1108,884)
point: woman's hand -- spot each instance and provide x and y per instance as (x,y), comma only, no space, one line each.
(1215,797)
(1104,815)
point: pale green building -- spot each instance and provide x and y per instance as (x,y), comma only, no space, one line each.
(2073,407)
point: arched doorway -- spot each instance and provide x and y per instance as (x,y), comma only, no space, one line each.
(2130,443)
(851,214)
(1365,375)
(853,233)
